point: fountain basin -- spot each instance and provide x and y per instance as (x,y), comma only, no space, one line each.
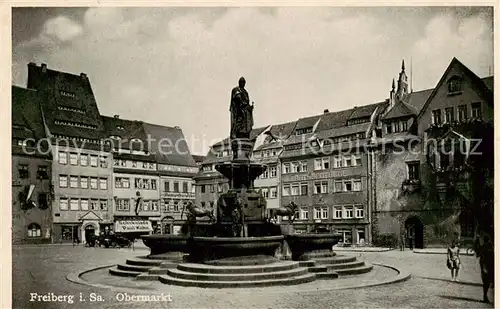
(214,248)
(301,244)
(164,244)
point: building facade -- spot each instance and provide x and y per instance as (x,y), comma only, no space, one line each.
(31,171)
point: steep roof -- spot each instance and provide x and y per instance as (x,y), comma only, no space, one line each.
(485,91)
(343,131)
(169,145)
(307,122)
(68,103)
(401,109)
(27,121)
(333,120)
(489,82)
(417,99)
(128,131)
(198,158)
(364,111)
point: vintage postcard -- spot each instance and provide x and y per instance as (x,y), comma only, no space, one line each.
(224,155)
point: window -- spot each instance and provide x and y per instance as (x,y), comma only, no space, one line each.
(146,184)
(265,174)
(356,185)
(396,126)
(295,189)
(84,159)
(444,160)
(448,115)
(326,163)
(388,128)
(104,205)
(166,186)
(219,187)
(454,85)
(462,113)
(42,201)
(203,189)
(42,172)
(73,158)
(73,204)
(137,183)
(273,171)
(324,213)
(286,190)
(103,183)
(413,170)
(286,168)
(122,205)
(347,185)
(93,183)
(154,205)
(347,161)
(103,162)
(265,193)
(436,116)
(34,230)
(356,160)
(303,214)
(145,205)
(476,110)
(295,166)
(153,184)
(63,157)
(337,162)
(121,182)
(303,189)
(94,204)
(93,161)
(134,164)
(84,204)
(176,186)
(348,212)
(212,188)
(176,206)
(337,214)
(317,164)
(317,213)
(303,166)
(273,192)
(404,125)
(184,186)
(63,181)
(73,182)
(338,186)
(63,204)
(23,171)
(360,212)
(320,187)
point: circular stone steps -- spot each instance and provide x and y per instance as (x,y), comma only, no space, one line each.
(243,261)
(123,273)
(133,267)
(176,273)
(344,265)
(144,261)
(355,270)
(238,284)
(340,259)
(202,268)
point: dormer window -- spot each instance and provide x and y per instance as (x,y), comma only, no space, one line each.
(303,131)
(120,128)
(454,85)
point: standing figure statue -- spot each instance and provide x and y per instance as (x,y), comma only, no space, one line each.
(241,111)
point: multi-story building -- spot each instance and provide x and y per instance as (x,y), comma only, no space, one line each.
(267,150)
(81,169)
(31,171)
(135,177)
(176,169)
(427,179)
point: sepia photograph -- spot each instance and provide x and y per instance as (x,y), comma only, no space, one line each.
(217,156)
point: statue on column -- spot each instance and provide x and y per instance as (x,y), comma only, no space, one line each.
(241,111)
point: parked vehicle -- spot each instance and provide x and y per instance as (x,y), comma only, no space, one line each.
(114,240)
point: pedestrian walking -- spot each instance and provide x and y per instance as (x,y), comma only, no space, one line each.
(410,241)
(453,260)
(402,243)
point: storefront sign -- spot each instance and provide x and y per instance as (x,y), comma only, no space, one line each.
(127,226)
(178,195)
(318,175)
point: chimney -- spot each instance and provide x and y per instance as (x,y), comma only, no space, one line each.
(31,64)
(83,76)
(116,116)
(44,68)
(326,111)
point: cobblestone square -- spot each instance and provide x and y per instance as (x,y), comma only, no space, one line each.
(43,269)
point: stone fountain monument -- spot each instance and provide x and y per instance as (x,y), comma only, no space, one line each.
(240,246)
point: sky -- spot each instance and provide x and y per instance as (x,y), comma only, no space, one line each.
(177,66)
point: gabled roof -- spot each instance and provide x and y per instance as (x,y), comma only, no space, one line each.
(364,111)
(334,120)
(27,121)
(401,109)
(128,131)
(476,80)
(66,98)
(169,145)
(417,99)
(307,122)
(343,131)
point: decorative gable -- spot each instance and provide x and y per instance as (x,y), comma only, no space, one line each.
(90,216)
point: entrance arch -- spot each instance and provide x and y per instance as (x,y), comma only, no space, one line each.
(414,229)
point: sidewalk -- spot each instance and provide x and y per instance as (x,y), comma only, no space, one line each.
(361,249)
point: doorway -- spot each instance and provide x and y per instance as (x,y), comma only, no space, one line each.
(414,230)
(89,232)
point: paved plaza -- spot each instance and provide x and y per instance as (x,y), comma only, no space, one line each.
(43,269)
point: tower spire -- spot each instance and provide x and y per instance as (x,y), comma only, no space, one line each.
(393,84)
(403,66)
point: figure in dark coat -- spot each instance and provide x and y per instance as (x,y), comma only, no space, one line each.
(241,111)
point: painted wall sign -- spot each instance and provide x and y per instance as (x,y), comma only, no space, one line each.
(320,175)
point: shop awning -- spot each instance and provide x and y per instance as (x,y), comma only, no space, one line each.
(128,226)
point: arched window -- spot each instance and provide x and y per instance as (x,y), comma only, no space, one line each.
(454,84)
(34,230)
